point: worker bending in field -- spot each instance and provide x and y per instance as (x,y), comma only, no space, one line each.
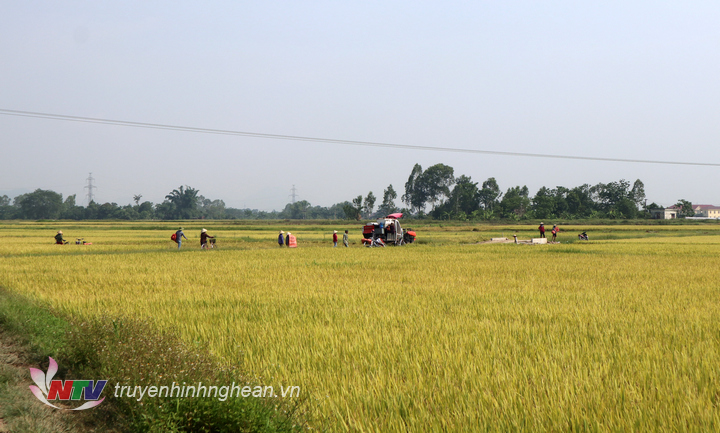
(59,238)
(281,241)
(204,236)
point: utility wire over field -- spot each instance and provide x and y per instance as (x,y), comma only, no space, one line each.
(334,141)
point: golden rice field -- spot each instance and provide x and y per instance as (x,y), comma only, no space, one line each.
(618,334)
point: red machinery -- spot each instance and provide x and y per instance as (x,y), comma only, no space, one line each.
(388,229)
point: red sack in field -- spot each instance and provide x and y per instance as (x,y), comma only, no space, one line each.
(173,237)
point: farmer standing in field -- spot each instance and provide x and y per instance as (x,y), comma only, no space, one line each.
(554,231)
(334,238)
(281,241)
(203,238)
(542,230)
(345,238)
(178,237)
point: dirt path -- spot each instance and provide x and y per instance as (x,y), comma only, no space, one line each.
(20,411)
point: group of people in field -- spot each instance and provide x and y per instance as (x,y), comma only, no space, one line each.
(346,241)
(555,230)
(208,242)
(287,240)
(204,237)
(290,241)
(177,238)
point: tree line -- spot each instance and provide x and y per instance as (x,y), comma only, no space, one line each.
(184,202)
(434,193)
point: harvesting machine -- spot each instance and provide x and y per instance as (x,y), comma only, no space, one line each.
(388,230)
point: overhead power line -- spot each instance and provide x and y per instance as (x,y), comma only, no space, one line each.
(335,141)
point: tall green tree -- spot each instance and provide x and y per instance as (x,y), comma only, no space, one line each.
(619,200)
(637,193)
(686,208)
(369,204)
(580,201)
(437,181)
(185,200)
(39,204)
(349,210)
(7,211)
(165,210)
(211,209)
(432,185)
(465,196)
(610,194)
(388,204)
(216,209)
(490,194)
(415,194)
(626,208)
(560,204)
(296,211)
(543,204)
(70,210)
(515,203)
(109,211)
(91,210)
(354,211)
(145,210)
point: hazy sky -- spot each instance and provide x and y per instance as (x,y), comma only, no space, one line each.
(613,79)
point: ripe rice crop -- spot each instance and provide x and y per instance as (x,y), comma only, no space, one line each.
(621,333)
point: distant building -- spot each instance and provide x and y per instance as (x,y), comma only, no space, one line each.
(667,213)
(706,211)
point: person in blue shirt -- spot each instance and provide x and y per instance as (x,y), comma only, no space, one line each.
(281,241)
(178,237)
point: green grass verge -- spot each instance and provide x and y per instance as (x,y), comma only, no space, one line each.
(130,353)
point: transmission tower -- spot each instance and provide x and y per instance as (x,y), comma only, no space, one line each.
(90,196)
(293,193)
